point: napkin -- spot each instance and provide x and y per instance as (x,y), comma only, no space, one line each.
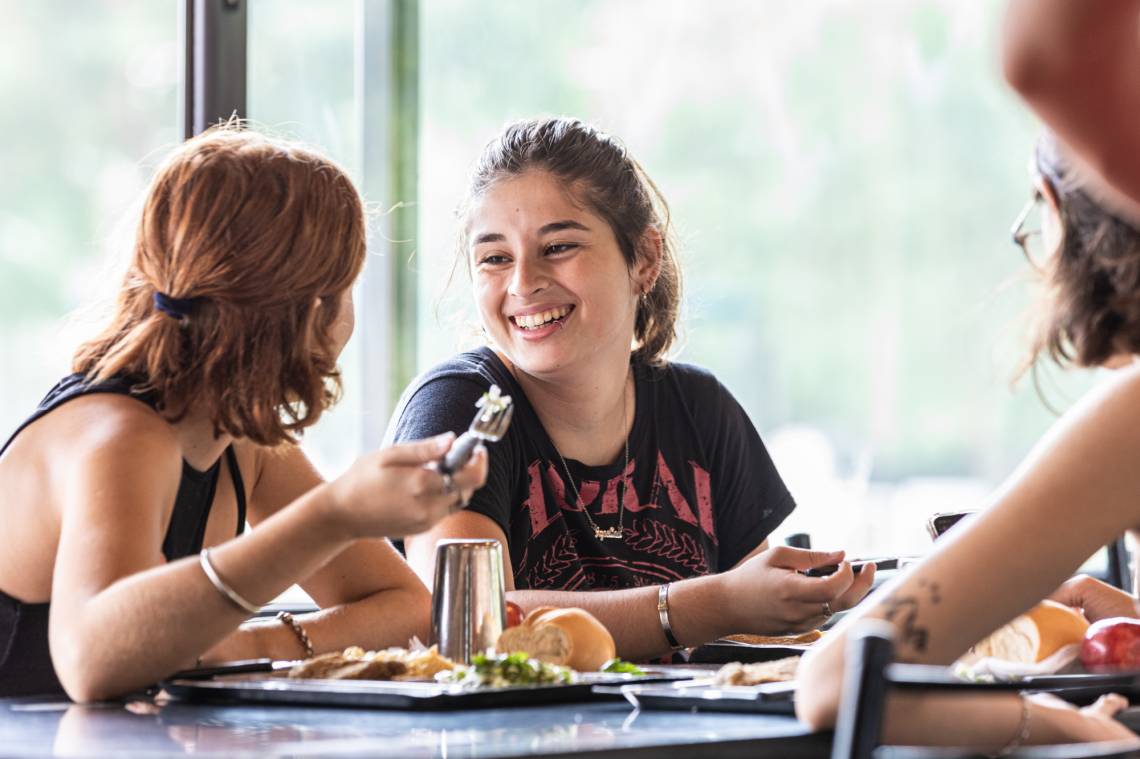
(1065,660)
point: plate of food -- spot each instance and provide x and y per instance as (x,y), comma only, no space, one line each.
(567,657)
(397,679)
(758,687)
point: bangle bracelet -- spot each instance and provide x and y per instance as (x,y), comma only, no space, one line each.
(663,615)
(299,631)
(1022,734)
(216,580)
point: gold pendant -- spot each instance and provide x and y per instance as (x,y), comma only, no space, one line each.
(610,533)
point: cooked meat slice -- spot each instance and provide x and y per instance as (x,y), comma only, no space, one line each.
(777,671)
(776,640)
(320,666)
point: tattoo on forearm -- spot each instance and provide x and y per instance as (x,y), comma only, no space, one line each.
(902,611)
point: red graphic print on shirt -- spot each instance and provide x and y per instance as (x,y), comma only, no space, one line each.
(663,537)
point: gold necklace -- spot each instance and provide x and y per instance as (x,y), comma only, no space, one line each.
(609,533)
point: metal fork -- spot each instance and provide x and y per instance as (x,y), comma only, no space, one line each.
(490,424)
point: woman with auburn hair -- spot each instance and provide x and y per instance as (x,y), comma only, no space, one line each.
(129,487)
(629,485)
(1074,493)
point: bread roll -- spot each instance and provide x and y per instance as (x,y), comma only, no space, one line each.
(568,637)
(1035,635)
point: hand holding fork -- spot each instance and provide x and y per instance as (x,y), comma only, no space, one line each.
(490,424)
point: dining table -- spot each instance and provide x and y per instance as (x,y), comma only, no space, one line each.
(154,725)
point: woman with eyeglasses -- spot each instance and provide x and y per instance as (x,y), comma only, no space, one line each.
(1077,490)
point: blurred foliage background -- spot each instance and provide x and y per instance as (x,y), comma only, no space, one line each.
(843,176)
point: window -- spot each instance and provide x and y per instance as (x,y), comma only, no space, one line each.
(842,175)
(90,96)
(301,85)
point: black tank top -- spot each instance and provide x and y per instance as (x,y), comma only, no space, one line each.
(25,660)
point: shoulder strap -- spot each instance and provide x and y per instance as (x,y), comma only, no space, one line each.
(71,387)
(239,487)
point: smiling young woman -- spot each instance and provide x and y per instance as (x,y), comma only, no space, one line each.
(628,484)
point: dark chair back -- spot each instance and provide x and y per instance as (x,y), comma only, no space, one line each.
(866,680)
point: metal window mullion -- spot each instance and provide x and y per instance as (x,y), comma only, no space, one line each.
(214,51)
(387,94)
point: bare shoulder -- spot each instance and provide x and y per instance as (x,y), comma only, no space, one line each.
(107,438)
(1088,458)
(116,423)
(1112,408)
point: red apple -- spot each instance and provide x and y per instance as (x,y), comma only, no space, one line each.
(1112,645)
(514,614)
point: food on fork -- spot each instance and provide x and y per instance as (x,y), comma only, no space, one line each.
(803,639)
(493,401)
(489,425)
(1035,635)
(567,637)
(777,671)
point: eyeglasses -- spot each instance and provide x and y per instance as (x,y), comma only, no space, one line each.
(1022,236)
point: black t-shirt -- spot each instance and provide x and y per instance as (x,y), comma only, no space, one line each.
(701,491)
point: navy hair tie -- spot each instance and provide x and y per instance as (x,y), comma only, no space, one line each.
(179,308)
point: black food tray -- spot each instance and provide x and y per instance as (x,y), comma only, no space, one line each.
(384,694)
(1074,688)
(770,698)
(725,651)
(933,677)
(779,698)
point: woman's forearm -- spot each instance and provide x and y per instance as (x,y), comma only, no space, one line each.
(985,722)
(696,613)
(147,625)
(392,617)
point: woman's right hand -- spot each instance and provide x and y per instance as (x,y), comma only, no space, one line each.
(1098,600)
(1058,721)
(397,491)
(771,595)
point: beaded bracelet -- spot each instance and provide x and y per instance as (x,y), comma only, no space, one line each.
(299,631)
(1022,734)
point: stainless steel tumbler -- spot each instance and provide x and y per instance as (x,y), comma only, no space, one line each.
(468,606)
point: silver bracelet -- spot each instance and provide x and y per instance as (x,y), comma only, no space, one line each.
(663,615)
(216,580)
(1019,739)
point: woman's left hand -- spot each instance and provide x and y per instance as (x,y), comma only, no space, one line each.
(783,599)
